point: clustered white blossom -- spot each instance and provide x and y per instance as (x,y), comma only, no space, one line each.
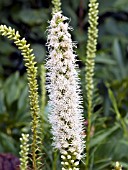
(64,93)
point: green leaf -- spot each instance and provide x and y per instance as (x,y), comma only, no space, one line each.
(103,59)
(2,103)
(118,115)
(7,142)
(23,98)
(102,165)
(11,88)
(105,6)
(33,16)
(118,55)
(101,136)
(121,5)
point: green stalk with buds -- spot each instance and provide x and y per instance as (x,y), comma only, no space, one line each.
(24,147)
(30,63)
(89,66)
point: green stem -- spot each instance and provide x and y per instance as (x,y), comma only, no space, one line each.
(54,161)
(88,135)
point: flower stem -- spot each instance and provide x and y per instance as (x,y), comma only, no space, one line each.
(54,160)
(89,66)
(30,63)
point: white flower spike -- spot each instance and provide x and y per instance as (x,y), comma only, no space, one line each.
(64,93)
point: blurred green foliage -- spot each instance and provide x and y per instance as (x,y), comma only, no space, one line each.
(14,112)
(109,142)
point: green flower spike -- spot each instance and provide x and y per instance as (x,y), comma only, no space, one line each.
(32,82)
(24,152)
(90,64)
(57,6)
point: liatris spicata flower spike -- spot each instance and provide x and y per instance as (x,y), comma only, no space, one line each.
(32,82)
(90,63)
(64,93)
(24,152)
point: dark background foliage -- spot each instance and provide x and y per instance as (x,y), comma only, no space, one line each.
(109,141)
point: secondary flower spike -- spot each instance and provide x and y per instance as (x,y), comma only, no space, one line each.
(64,93)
